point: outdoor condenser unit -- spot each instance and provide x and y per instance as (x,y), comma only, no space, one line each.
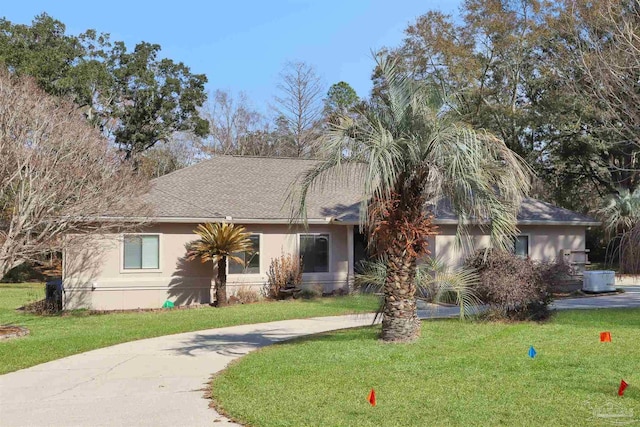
(599,281)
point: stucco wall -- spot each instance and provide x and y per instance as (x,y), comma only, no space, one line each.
(94,277)
(545,242)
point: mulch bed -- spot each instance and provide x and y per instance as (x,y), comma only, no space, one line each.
(11,331)
(582,294)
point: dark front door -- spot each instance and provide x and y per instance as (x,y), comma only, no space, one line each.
(359,249)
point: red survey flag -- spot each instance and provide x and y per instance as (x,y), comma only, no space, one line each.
(605,336)
(623,386)
(372,397)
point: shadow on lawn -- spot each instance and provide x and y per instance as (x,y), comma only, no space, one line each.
(232,344)
(241,344)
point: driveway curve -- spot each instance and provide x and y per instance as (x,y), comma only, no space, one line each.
(152,382)
(160,381)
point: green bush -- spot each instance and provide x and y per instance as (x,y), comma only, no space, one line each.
(311,291)
(23,273)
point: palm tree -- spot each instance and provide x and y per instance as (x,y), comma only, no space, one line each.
(218,242)
(411,153)
(621,211)
(621,219)
(434,279)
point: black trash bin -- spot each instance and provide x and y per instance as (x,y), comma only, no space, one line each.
(53,294)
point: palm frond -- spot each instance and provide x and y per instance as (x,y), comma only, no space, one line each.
(621,211)
(462,283)
(217,240)
(407,144)
(433,277)
(482,179)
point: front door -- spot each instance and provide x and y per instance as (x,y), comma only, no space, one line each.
(359,249)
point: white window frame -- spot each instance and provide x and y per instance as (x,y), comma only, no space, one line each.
(259,273)
(141,270)
(528,236)
(329,251)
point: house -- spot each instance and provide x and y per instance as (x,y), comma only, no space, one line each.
(146,268)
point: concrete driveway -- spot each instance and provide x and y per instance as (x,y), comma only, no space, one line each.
(631,298)
(160,381)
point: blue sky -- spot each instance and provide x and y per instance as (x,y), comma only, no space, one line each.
(242,45)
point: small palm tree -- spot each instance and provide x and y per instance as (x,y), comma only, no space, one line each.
(434,279)
(621,219)
(410,152)
(217,243)
(621,211)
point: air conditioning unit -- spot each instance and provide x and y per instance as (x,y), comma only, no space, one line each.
(599,281)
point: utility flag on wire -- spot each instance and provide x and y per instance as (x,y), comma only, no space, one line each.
(372,397)
(532,352)
(605,336)
(623,386)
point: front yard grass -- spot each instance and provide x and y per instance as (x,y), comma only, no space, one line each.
(456,374)
(53,337)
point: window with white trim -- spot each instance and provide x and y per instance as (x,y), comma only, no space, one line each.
(141,251)
(521,246)
(250,259)
(314,250)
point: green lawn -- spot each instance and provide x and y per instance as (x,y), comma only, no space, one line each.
(456,374)
(53,337)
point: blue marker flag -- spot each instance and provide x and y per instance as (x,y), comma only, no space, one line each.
(532,352)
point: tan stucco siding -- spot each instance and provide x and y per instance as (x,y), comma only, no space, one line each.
(545,242)
(94,276)
(282,239)
(451,253)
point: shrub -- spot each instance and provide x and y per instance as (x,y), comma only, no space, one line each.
(285,272)
(512,286)
(247,295)
(42,307)
(554,273)
(311,291)
(47,267)
(23,273)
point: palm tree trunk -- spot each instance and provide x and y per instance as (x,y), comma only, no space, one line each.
(221,282)
(400,321)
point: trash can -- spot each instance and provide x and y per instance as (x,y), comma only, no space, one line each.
(53,294)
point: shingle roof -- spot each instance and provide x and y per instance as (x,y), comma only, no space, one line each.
(531,211)
(256,189)
(246,188)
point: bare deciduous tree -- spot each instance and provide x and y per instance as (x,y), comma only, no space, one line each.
(57,175)
(167,157)
(235,127)
(606,60)
(299,105)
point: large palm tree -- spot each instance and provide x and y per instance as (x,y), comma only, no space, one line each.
(411,153)
(217,243)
